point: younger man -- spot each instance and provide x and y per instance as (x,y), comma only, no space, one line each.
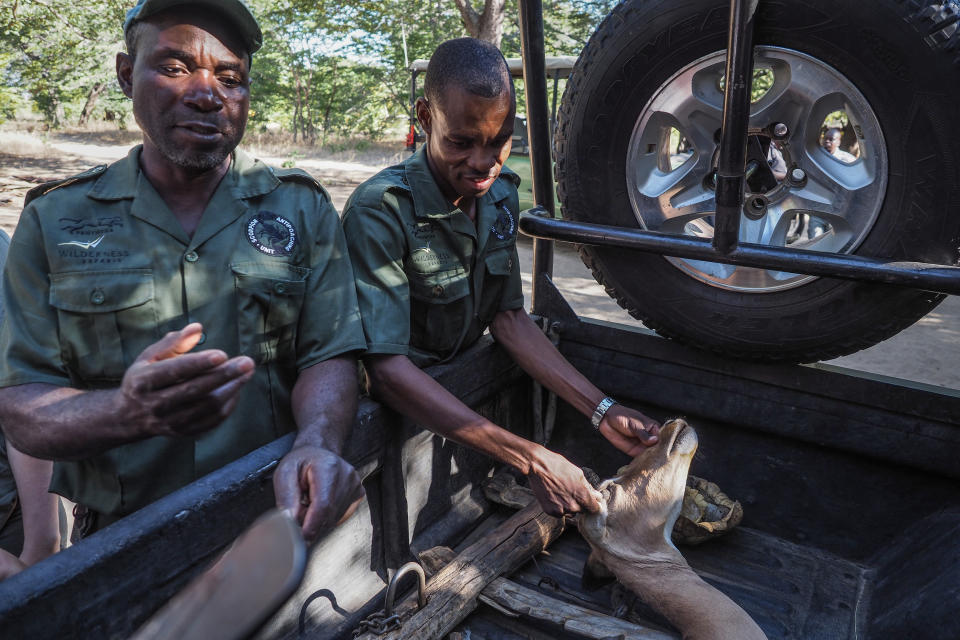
(433,247)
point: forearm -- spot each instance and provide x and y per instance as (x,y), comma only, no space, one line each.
(400,384)
(324,402)
(62,423)
(516,332)
(41,520)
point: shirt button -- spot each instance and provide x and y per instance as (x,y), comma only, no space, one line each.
(191,256)
(97,296)
(280,288)
(437,291)
(203,338)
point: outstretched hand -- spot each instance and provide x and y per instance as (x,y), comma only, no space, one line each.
(318,487)
(628,430)
(172,392)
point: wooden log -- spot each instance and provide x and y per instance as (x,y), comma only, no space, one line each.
(452,592)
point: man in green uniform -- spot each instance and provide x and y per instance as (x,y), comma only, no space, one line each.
(118,275)
(433,247)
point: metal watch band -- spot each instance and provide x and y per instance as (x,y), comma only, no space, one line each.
(601,411)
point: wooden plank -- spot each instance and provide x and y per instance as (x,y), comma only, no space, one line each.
(569,617)
(452,592)
(882,421)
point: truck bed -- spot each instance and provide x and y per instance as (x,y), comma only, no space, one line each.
(848,484)
(792,591)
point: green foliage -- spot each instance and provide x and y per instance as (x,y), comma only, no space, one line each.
(59,52)
(327,69)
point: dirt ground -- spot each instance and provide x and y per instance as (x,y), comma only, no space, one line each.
(927,352)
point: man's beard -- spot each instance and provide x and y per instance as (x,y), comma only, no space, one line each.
(191,158)
(196,160)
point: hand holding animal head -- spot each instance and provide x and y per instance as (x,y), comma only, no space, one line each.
(640,505)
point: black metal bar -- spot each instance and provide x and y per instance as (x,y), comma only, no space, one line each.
(920,275)
(538,129)
(732,155)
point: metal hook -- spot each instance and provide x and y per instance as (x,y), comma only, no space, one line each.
(392,588)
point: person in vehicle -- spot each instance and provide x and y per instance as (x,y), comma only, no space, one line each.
(128,288)
(433,246)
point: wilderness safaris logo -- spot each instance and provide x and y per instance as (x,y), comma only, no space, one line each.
(272,234)
(505,224)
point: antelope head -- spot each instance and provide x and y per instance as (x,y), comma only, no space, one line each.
(640,506)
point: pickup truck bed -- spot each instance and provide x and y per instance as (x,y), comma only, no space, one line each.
(848,483)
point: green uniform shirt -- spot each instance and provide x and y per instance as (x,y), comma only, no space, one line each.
(100,268)
(429,279)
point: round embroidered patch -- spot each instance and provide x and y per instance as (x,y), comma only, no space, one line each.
(505,225)
(272,234)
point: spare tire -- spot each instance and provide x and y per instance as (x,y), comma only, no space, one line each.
(636,144)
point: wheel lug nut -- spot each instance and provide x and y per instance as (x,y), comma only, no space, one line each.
(756,207)
(780,130)
(798,175)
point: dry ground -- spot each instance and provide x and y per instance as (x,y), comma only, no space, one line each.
(926,352)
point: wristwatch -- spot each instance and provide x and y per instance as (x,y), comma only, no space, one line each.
(601,411)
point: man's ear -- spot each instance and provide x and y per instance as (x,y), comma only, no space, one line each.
(424,117)
(125,73)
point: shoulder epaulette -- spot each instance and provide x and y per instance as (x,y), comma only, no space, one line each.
(47,187)
(298,175)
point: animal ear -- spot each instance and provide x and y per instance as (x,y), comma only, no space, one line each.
(595,573)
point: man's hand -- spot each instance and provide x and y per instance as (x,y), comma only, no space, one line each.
(560,486)
(10,565)
(629,430)
(318,487)
(173,392)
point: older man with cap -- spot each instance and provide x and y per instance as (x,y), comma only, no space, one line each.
(181,307)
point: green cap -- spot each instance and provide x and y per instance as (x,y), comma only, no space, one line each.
(235,10)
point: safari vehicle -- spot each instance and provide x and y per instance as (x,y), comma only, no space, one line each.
(848,481)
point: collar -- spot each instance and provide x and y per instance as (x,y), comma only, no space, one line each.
(246,178)
(429,201)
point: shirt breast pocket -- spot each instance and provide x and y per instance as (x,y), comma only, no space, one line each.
(269,301)
(440,313)
(106,318)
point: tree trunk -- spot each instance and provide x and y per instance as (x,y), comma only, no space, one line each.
(91,102)
(486,26)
